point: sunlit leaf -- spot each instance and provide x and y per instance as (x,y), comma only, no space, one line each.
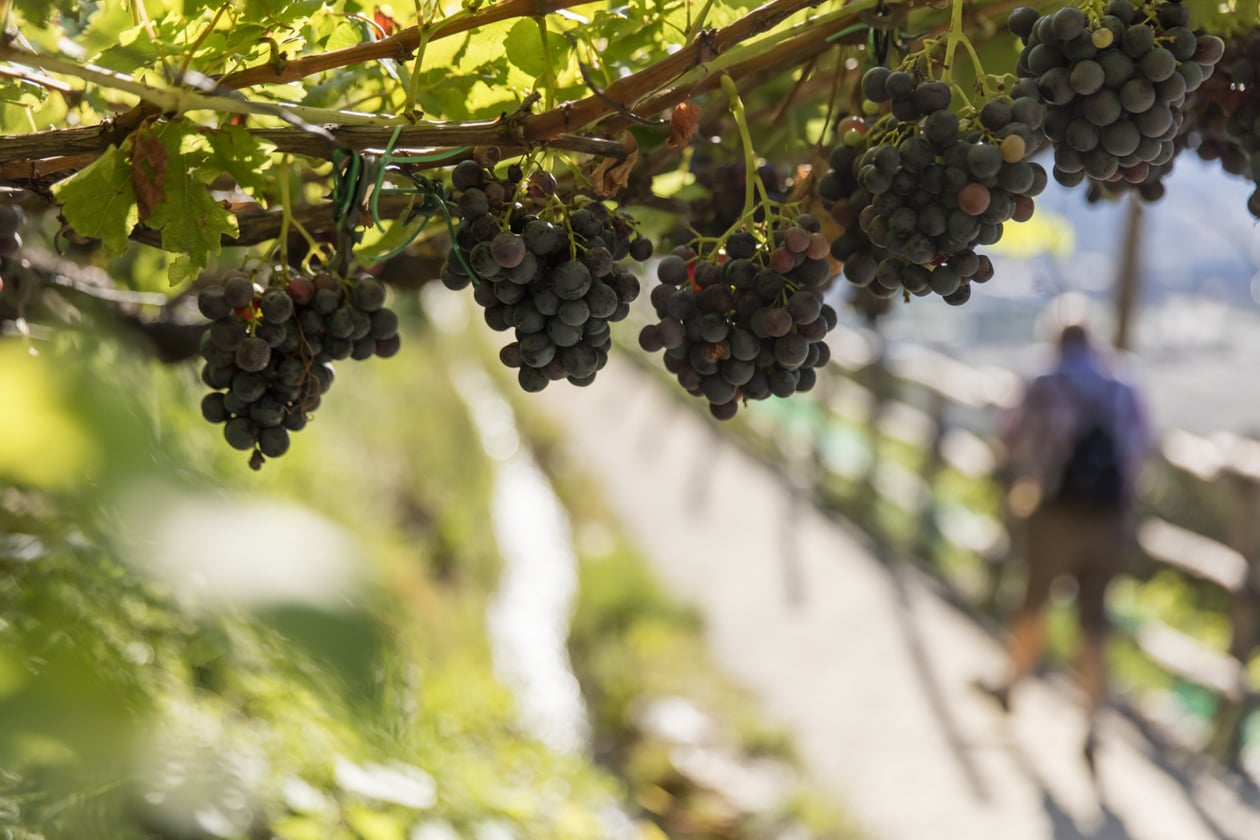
(39,11)
(344,34)
(238,153)
(100,201)
(524,47)
(21,93)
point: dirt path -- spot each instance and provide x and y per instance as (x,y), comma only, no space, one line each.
(867,667)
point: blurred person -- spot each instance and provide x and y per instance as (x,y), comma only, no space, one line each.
(1074,446)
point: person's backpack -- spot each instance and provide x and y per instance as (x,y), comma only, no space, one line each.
(1092,477)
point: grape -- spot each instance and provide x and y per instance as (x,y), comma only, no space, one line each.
(725,333)
(211,302)
(241,433)
(11,219)
(507,249)
(925,185)
(973,199)
(274,378)
(212,408)
(1127,74)
(238,290)
(467,173)
(273,441)
(367,295)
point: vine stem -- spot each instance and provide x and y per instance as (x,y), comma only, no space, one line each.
(183,99)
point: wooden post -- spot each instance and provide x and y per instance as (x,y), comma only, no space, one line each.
(1128,280)
(878,380)
(925,543)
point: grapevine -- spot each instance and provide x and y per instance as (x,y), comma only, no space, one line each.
(528,155)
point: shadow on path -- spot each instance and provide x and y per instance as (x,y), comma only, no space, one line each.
(933,692)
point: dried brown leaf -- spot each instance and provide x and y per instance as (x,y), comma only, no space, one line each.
(148,171)
(683,124)
(612,175)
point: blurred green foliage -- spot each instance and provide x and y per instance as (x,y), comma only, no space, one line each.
(129,709)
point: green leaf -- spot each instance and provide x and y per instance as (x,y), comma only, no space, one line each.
(190,219)
(100,201)
(39,11)
(524,47)
(345,34)
(21,93)
(280,13)
(238,153)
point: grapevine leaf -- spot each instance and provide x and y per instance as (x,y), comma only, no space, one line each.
(39,11)
(191,221)
(100,201)
(344,34)
(238,153)
(385,21)
(611,175)
(22,93)
(280,13)
(148,171)
(524,47)
(684,122)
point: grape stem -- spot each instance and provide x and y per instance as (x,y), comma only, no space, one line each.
(752,182)
(549,70)
(287,221)
(953,38)
(413,89)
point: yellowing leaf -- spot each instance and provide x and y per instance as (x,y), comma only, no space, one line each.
(191,221)
(100,201)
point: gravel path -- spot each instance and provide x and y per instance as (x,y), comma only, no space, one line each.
(857,656)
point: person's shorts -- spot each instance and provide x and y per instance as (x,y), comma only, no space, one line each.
(1087,546)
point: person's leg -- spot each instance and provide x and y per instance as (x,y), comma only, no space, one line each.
(1026,632)
(1102,558)
(1027,641)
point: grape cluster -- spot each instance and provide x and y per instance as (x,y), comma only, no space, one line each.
(268,353)
(749,324)
(926,186)
(549,273)
(1224,115)
(1114,87)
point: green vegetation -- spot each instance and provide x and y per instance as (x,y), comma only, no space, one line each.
(129,707)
